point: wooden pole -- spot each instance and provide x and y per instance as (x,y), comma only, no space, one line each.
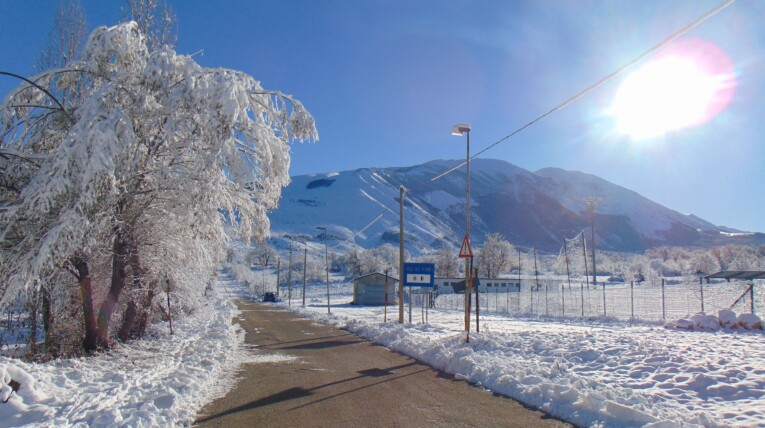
(289,277)
(477,304)
(305,268)
(536,277)
(385,308)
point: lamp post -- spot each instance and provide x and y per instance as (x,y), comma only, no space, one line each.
(326,264)
(401,191)
(459,130)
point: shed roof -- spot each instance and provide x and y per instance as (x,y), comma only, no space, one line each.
(372,274)
(738,274)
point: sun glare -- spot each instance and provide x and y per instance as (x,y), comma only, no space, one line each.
(682,87)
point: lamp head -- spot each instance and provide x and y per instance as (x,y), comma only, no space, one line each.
(460,129)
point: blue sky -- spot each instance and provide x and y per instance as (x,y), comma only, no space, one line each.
(386,80)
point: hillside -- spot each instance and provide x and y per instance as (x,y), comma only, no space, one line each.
(528,208)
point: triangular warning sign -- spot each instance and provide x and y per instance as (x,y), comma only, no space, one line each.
(465,250)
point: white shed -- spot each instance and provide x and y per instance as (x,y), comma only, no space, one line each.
(370,289)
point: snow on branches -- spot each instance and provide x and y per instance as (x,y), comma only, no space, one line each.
(156,152)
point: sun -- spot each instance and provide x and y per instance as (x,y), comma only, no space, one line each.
(686,85)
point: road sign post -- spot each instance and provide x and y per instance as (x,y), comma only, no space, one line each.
(418,275)
(467,253)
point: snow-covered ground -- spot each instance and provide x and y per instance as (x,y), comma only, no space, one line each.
(608,374)
(592,374)
(161,381)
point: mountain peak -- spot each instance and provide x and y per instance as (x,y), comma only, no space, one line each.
(529,208)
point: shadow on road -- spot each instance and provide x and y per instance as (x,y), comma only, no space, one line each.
(357,389)
(320,345)
(287,394)
(297,392)
(312,339)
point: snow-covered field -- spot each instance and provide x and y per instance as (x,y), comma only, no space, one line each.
(592,374)
(159,381)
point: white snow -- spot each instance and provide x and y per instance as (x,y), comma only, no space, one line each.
(160,381)
(592,374)
(596,373)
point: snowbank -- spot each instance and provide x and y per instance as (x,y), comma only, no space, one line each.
(610,374)
(725,319)
(160,381)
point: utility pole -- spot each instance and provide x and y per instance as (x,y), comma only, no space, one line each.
(536,277)
(519,273)
(568,272)
(591,203)
(385,308)
(305,268)
(289,277)
(401,191)
(278,272)
(326,265)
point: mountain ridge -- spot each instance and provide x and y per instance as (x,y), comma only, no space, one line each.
(528,208)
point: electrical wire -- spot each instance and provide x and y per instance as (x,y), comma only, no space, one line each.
(603,80)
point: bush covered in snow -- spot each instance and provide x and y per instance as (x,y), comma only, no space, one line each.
(725,319)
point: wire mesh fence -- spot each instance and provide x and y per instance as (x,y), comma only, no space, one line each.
(623,301)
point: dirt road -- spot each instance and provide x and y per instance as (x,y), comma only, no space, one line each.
(331,378)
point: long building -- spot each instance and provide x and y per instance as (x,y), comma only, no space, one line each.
(485,285)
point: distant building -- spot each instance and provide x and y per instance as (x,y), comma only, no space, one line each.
(369,290)
(485,285)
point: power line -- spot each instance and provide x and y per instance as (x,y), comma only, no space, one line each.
(603,80)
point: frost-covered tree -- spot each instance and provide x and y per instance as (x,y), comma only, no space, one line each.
(358,262)
(146,170)
(66,37)
(262,254)
(703,261)
(156,20)
(495,256)
(447,263)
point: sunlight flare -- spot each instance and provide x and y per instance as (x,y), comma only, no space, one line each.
(686,85)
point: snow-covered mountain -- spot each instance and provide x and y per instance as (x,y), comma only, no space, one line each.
(528,208)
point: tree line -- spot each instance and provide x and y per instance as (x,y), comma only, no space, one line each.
(497,258)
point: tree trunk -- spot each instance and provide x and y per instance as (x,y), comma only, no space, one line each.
(128,322)
(86,290)
(119,263)
(143,315)
(33,306)
(135,318)
(47,308)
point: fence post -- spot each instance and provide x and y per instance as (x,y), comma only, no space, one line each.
(581,285)
(632,300)
(663,308)
(563,298)
(751,296)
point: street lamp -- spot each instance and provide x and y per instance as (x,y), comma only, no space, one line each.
(459,130)
(326,263)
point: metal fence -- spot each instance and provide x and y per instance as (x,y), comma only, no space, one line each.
(626,301)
